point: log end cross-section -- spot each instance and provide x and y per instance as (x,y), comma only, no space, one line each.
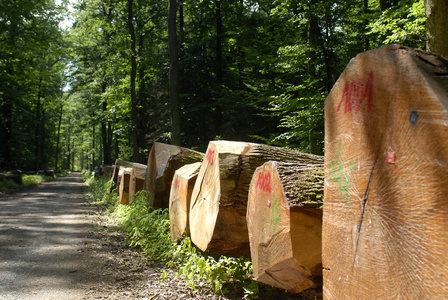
(163,161)
(385,223)
(284,218)
(180,197)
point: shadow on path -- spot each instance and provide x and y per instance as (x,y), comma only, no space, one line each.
(44,231)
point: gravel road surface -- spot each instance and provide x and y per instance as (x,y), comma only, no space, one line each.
(42,239)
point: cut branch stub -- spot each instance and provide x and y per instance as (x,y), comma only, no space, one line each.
(180,197)
(137,180)
(219,199)
(163,161)
(386,157)
(284,218)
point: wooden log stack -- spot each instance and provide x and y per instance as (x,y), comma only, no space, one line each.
(385,221)
(137,180)
(219,200)
(180,198)
(163,161)
(284,218)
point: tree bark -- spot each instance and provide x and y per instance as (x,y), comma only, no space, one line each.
(174,75)
(386,154)
(180,198)
(58,138)
(219,200)
(284,219)
(163,161)
(436,26)
(134,113)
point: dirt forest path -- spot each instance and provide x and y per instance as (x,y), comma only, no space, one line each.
(53,245)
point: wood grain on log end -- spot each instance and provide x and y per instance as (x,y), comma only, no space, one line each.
(285,225)
(163,161)
(180,197)
(386,159)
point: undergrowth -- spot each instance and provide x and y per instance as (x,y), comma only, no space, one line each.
(149,230)
(28,180)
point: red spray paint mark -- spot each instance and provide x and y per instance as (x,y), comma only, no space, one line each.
(264,182)
(356,93)
(211,156)
(390,157)
(176,184)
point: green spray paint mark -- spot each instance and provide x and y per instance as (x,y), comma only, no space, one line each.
(275,215)
(336,173)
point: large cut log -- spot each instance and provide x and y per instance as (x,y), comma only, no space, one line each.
(180,197)
(123,188)
(163,161)
(284,219)
(116,170)
(385,222)
(106,171)
(137,180)
(219,199)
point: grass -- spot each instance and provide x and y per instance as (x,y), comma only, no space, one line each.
(148,230)
(28,180)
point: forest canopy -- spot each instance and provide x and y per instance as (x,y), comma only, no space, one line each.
(83,82)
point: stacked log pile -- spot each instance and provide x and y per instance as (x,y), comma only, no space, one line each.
(180,198)
(163,161)
(385,222)
(284,218)
(219,200)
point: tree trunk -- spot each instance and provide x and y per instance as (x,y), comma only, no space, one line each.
(180,198)
(137,180)
(58,139)
(134,114)
(386,155)
(219,199)
(219,63)
(163,161)
(106,143)
(436,26)
(173,74)
(284,219)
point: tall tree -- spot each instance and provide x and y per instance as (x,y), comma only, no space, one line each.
(437,26)
(174,74)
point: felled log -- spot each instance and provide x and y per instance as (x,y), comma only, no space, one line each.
(123,188)
(385,222)
(106,171)
(284,219)
(137,180)
(219,199)
(163,161)
(180,198)
(116,169)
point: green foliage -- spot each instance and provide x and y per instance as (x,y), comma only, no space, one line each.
(8,185)
(404,24)
(100,190)
(148,229)
(35,179)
